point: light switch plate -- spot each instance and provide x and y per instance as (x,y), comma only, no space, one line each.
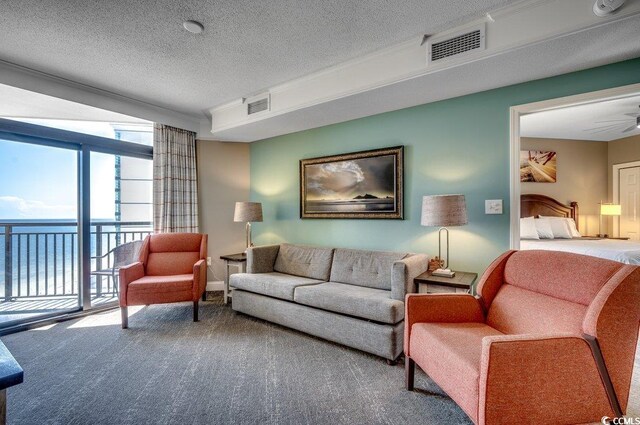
(493,206)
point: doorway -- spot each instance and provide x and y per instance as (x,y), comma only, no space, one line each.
(517,112)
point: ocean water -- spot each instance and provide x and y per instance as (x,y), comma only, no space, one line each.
(44,256)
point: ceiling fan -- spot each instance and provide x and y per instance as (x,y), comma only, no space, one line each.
(621,125)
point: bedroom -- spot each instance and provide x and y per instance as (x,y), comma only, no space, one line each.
(585,162)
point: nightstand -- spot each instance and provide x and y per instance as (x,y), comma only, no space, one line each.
(460,283)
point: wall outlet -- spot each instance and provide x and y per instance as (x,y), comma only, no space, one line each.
(208,261)
(493,206)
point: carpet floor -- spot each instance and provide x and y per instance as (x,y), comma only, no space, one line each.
(228,368)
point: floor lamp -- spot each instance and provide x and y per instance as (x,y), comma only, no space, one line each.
(247,212)
(444,211)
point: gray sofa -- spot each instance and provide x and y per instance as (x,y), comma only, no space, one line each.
(352,297)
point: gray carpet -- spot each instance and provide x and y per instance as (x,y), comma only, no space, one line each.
(228,368)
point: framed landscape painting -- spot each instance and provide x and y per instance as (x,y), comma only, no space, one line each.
(365,184)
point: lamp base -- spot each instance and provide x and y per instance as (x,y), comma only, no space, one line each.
(443,273)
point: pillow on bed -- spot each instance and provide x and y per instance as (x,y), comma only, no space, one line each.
(573,229)
(543,227)
(528,228)
(559,227)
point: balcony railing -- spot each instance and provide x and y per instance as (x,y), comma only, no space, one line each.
(41,258)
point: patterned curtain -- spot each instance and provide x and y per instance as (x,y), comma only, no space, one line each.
(175,185)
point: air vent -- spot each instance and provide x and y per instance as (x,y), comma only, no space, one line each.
(465,42)
(258,104)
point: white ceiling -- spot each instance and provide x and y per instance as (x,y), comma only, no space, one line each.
(601,121)
(140,50)
(18,103)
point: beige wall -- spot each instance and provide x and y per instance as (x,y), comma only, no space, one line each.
(223,179)
(621,151)
(581,176)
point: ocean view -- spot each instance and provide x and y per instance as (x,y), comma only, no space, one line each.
(43,254)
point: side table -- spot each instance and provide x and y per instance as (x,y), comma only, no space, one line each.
(232,260)
(462,282)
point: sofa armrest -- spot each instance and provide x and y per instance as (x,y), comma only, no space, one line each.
(128,274)
(261,259)
(550,378)
(443,308)
(404,271)
(199,278)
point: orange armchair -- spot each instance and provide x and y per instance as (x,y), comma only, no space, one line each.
(172,268)
(550,338)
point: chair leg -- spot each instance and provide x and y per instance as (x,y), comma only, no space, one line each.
(195,311)
(409,372)
(125,317)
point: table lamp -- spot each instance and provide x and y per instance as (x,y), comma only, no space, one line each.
(248,212)
(444,211)
(608,209)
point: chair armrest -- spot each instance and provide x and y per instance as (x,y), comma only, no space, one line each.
(128,274)
(550,378)
(404,271)
(443,308)
(262,259)
(199,278)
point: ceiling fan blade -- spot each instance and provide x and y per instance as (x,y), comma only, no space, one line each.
(634,115)
(624,119)
(604,127)
(628,129)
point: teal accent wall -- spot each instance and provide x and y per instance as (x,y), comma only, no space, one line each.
(458,145)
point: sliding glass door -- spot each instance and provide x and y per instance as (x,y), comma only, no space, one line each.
(67,201)
(38,229)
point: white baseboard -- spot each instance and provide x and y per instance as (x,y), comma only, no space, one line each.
(216,285)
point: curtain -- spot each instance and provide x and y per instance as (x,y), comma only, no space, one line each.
(175,185)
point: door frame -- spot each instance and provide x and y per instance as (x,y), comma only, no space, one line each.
(515,112)
(615,170)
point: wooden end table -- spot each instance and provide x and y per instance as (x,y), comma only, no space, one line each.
(462,282)
(232,260)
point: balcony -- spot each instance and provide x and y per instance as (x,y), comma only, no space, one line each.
(41,267)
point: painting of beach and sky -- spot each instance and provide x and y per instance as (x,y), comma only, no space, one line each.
(360,185)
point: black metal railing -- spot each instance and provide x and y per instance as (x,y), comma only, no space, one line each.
(41,257)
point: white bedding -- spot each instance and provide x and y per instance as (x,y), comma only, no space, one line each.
(627,252)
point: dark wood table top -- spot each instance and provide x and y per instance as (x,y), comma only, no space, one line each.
(460,280)
(10,371)
(234,257)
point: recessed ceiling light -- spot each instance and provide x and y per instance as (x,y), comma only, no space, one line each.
(193,26)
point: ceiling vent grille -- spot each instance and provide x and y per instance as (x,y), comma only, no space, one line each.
(468,41)
(258,104)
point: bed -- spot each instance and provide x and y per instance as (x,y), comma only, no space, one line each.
(533,205)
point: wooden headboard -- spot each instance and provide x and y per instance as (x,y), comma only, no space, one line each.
(535,205)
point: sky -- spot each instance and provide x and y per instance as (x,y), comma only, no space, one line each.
(39,182)
(346,179)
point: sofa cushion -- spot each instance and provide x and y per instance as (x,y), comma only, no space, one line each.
(366,303)
(305,261)
(450,353)
(364,268)
(274,284)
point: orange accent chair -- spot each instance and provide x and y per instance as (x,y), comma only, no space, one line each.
(172,268)
(550,338)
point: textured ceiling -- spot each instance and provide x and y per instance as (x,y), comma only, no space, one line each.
(139,48)
(600,121)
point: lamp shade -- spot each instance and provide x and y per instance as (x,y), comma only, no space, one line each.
(247,212)
(444,210)
(610,209)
